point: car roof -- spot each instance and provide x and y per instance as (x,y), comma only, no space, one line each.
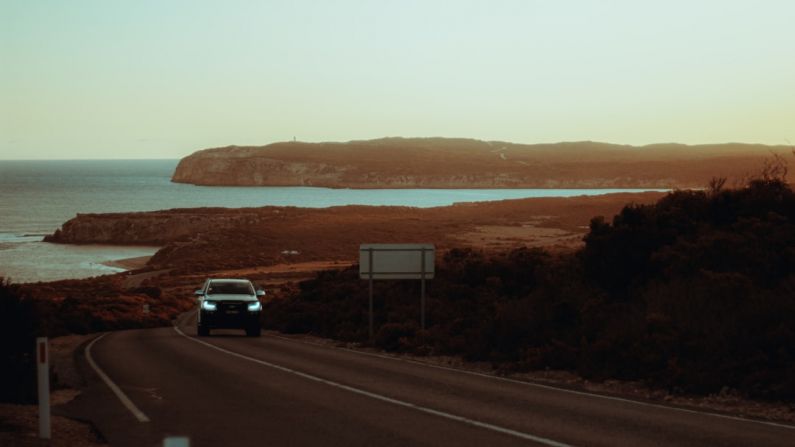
(228,280)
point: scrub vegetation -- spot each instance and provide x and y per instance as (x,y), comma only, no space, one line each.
(694,293)
(17,345)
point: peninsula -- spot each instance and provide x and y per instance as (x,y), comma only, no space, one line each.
(466,163)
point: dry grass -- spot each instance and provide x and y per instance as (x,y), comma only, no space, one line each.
(19,428)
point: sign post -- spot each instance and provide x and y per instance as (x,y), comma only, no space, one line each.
(370,277)
(43,371)
(397,261)
(422,288)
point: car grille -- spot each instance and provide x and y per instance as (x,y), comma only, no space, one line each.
(232,307)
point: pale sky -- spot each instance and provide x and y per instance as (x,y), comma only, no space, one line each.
(161,79)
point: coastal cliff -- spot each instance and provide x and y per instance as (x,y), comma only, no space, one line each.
(463,163)
(149,228)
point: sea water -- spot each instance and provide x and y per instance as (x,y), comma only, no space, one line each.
(36,197)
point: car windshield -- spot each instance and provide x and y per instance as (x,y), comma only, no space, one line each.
(230,288)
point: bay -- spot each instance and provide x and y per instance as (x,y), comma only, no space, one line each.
(36,197)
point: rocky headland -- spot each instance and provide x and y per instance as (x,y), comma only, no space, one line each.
(203,239)
(150,228)
(465,163)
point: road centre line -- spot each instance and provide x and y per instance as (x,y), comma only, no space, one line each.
(113,387)
(442,414)
(538,385)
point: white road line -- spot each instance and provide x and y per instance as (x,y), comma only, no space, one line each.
(542,386)
(113,387)
(538,385)
(453,417)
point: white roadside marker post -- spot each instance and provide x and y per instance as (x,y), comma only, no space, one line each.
(43,370)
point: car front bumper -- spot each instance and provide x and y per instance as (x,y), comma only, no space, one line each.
(222,318)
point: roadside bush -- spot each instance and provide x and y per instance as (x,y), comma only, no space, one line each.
(394,336)
(694,293)
(706,278)
(100,304)
(17,345)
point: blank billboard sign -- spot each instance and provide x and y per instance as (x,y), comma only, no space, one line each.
(396,261)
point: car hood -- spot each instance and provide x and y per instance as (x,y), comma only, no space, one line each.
(234,297)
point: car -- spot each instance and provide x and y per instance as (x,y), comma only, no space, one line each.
(229,304)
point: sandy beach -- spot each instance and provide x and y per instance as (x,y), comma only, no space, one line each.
(128,263)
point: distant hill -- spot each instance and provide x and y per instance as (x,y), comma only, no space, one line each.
(466,163)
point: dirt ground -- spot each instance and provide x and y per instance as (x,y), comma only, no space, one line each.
(287,235)
(285,245)
(19,428)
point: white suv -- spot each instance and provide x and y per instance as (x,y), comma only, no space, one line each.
(229,304)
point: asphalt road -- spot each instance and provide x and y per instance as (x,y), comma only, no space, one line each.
(270,391)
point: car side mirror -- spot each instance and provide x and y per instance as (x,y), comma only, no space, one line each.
(199,293)
(260,292)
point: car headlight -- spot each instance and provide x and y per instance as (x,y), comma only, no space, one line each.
(255,306)
(209,305)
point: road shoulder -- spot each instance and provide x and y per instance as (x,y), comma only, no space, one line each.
(725,403)
(19,423)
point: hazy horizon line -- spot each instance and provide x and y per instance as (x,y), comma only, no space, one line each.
(127,158)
